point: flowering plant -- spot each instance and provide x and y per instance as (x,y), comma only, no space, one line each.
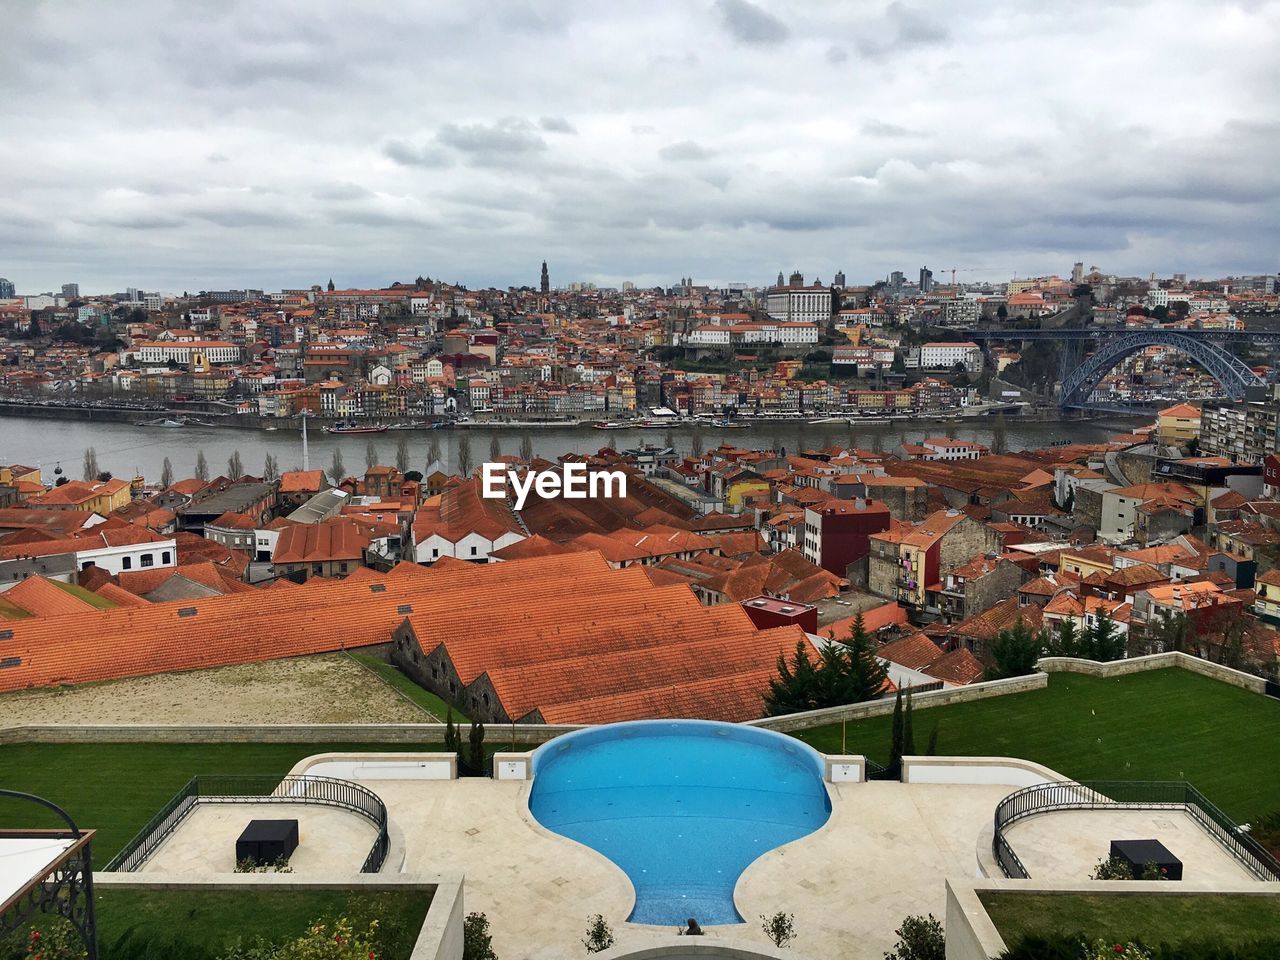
(1109,950)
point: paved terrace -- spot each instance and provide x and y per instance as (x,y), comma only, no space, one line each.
(882,856)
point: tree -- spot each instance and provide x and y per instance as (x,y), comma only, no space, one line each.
(894,770)
(908,735)
(477,941)
(599,934)
(402,454)
(526,448)
(166,474)
(475,758)
(91,469)
(1172,633)
(844,672)
(1015,652)
(337,469)
(271,468)
(695,441)
(433,449)
(1066,641)
(235,466)
(998,428)
(780,928)
(370,455)
(931,748)
(464,455)
(451,743)
(669,439)
(1002,312)
(495,448)
(1106,642)
(793,690)
(919,938)
(202,466)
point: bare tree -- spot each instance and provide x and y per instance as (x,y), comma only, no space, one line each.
(695,441)
(495,447)
(402,454)
(433,449)
(526,448)
(370,454)
(337,470)
(235,465)
(998,441)
(91,470)
(464,455)
(166,474)
(271,469)
(202,466)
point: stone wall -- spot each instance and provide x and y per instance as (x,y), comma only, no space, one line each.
(318,733)
(921,701)
(1155,661)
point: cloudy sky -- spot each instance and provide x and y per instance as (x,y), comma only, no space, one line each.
(205,144)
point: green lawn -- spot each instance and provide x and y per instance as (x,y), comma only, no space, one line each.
(1160,725)
(199,924)
(1152,919)
(116,788)
(397,679)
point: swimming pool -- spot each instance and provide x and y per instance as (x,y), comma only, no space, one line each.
(682,806)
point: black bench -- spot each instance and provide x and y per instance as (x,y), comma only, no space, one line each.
(1138,853)
(267,841)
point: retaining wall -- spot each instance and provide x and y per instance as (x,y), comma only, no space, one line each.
(921,701)
(1154,661)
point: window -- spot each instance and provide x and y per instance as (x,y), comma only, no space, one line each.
(126,563)
(148,559)
(473,551)
(166,557)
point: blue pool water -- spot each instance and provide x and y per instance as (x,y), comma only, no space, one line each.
(682,806)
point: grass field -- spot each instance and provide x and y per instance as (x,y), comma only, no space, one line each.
(199,924)
(116,788)
(1219,917)
(1161,725)
(397,680)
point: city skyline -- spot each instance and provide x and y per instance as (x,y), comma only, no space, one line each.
(274,149)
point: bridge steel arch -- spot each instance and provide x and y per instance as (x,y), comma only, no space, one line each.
(1231,372)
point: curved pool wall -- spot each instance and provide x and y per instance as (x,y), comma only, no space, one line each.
(683,807)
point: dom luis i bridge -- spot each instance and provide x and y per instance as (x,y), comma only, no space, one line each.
(1090,353)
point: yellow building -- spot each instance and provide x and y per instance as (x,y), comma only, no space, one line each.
(1085,563)
(1267,604)
(99,496)
(1178,424)
(14,473)
(741,489)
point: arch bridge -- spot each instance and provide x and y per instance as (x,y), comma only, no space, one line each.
(1080,376)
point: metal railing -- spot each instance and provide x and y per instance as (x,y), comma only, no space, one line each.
(1126,795)
(322,791)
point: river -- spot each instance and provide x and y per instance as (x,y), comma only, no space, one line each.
(127,450)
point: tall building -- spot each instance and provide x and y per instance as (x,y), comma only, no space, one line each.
(1077,272)
(71,290)
(926,279)
(545,283)
(7,291)
(839,279)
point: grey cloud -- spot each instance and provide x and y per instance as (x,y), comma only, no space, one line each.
(557,125)
(836,55)
(748,23)
(880,128)
(416,155)
(504,138)
(341,191)
(217,157)
(685,150)
(902,28)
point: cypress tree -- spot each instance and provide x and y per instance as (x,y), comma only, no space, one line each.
(450,733)
(908,738)
(894,770)
(931,750)
(477,748)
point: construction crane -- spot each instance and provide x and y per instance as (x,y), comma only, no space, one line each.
(955,270)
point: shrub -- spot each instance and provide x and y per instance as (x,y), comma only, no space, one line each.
(477,942)
(1106,950)
(599,934)
(780,928)
(919,938)
(1112,868)
(59,942)
(1076,947)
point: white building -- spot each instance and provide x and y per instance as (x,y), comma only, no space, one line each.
(158,352)
(944,356)
(797,303)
